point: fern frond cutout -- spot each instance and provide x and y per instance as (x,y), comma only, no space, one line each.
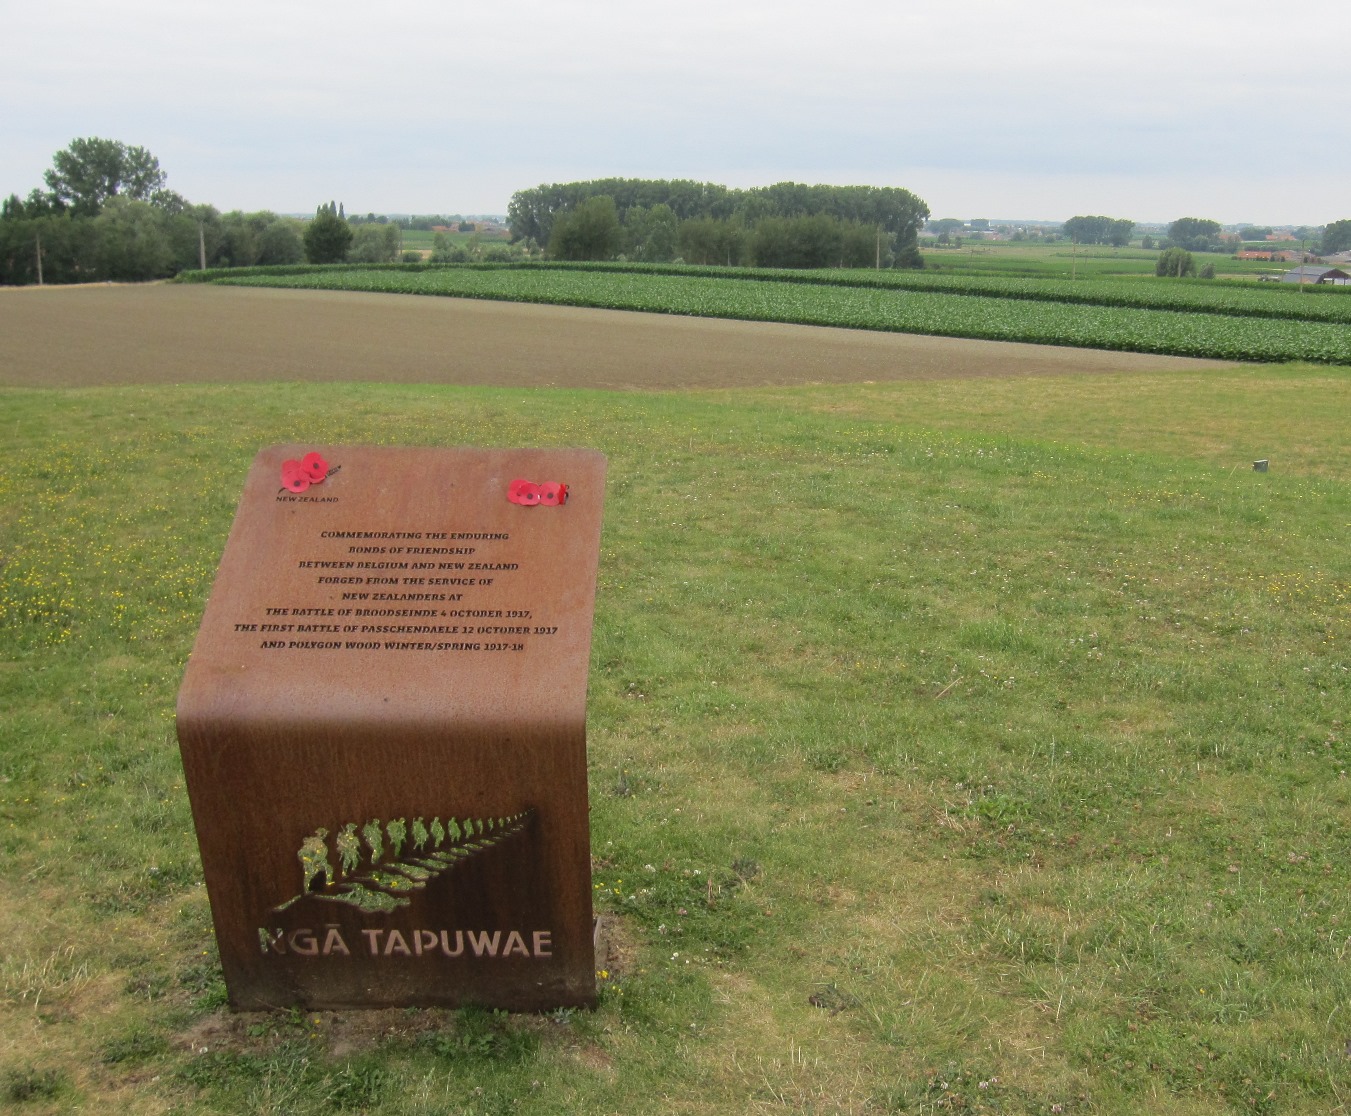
(377,865)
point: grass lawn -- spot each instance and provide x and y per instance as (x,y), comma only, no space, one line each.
(973,746)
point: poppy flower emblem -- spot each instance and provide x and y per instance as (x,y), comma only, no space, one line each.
(529,493)
(296,476)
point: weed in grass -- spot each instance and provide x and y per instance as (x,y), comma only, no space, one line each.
(353,1086)
(201,978)
(481,1035)
(136,1046)
(28,1083)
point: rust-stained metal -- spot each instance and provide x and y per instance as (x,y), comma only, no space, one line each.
(383,727)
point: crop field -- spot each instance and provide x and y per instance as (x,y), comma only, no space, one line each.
(1062,260)
(1308,303)
(1042,260)
(957,743)
(1226,323)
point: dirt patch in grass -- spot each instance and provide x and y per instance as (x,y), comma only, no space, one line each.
(164,333)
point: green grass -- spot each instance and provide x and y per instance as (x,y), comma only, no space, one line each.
(1061,260)
(959,746)
(424,238)
(1058,260)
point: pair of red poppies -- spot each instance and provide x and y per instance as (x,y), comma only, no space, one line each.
(296,476)
(528,493)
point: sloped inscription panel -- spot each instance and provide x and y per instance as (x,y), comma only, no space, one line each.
(383,728)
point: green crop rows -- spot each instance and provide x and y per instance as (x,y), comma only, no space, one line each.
(1239,299)
(902,304)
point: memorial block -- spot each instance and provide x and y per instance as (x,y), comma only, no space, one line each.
(383,728)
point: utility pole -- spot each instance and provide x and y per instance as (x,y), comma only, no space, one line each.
(39,257)
(201,246)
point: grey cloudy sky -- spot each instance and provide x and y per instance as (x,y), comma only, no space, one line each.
(984,108)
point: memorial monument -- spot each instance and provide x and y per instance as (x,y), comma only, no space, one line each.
(383,728)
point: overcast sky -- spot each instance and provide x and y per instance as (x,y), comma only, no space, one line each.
(1228,109)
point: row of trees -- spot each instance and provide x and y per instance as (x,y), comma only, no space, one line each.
(1196,234)
(1100,230)
(107,214)
(130,239)
(593,231)
(1191,234)
(785,225)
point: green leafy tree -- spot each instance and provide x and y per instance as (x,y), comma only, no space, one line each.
(280,242)
(238,241)
(589,232)
(193,232)
(652,234)
(818,241)
(1176,263)
(62,244)
(443,251)
(328,236)
(1196,234)
(375,244)
(1337,237)
(706,240)
(1100,230)
(133,242)
(85,174)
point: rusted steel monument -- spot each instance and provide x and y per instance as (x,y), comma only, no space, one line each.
(383,728)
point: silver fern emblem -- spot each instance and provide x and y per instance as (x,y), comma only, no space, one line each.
(377,865)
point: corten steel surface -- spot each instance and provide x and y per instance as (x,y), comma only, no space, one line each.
(384,737)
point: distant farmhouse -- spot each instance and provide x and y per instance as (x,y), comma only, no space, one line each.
(1316,273)
(1285,255)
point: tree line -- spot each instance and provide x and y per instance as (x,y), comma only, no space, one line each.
(107,214)
(1115,231)
(788,224)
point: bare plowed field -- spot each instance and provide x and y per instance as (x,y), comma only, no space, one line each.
(76,336)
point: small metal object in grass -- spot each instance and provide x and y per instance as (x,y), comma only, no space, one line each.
(1261,466)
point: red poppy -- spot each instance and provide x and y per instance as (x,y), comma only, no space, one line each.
(551,493)
(527,493)
(523,492)
(315,466)
(294,476)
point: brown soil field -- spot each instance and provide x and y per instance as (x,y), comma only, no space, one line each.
(165,333)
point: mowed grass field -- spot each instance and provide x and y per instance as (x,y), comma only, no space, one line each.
(964,743)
